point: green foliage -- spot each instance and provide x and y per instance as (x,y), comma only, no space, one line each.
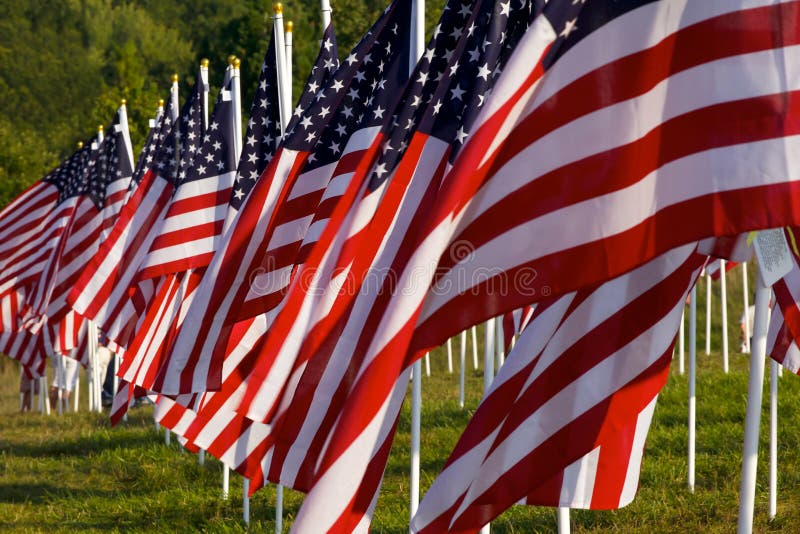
(66,65)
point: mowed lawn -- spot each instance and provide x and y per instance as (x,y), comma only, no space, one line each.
(76,473)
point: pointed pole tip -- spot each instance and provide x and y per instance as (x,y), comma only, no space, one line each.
(123,102)
(175,78)
(161,102)
(204,63)
(289,27)
(236,63)
(277,7)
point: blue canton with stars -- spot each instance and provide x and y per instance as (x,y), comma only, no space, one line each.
(361,92)
(214,154)
(184,138)
(150,145)
(112,163)
(473,70)
(70,178)
(423,83)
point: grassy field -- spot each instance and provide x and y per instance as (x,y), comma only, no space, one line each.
(75,473)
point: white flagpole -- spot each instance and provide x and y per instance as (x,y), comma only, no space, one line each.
(488,356)
(416,416)
(708,314)
(280,61)
(246,501)
(563,520)
(417,45)
(499,340)
(43,393)
(226,476)
(278,508)
(773,438)
(488,376)
(724,316)
(681,343)
(463,361)
(38,382)
(474,348)
(75,404)
(427,364)
(325,6)
(692,379)
(204,81)
(753,414)
(288,35)
(450,355)
(746,303)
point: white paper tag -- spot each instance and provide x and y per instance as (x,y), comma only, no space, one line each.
(773,254)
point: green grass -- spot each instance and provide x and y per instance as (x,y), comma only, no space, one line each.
(75,473)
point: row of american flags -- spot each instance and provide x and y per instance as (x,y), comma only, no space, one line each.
(580,155)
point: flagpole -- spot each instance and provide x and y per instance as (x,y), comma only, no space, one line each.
(488,376)
(499,342)
(280,62)
(692,380)
(417,45)
(450,355)
(474,347)
(325,6)
(563,520)
(747,490)
(708,314)
(681,343)
(746,299)
(463,361)
(289,41)
(236,103)
(285,115)
(724,317)
(773,438)
(204,80)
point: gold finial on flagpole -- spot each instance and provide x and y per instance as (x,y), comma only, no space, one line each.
(99,127)
(236,63)
(80,145)
(123,102)
(161,102)
(175,78)
(204,62)
(289,27)
(277,7)
(231,59)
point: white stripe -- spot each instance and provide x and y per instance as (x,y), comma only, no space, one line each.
(637,451)
(312,181)
(577,484)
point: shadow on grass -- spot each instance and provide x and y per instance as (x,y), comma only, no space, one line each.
(43,492)
(81,446)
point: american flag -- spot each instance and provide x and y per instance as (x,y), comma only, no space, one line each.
(582,96)
(327,371)
(261,139)
(108,182)
(102,293)
(317,156)
(565,420)
(33,225)
(347,236)
(186,241)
